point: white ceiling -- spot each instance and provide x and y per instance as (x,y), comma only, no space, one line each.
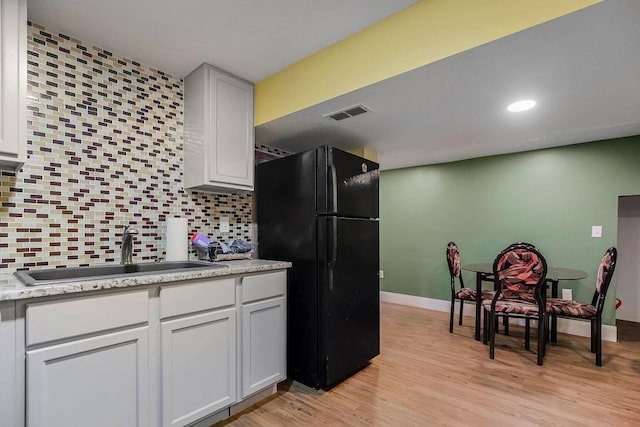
(583,69)
(249,38)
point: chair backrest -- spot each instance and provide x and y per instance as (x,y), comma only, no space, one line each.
(605,273)
(453,261)
(528,245)
(520,271)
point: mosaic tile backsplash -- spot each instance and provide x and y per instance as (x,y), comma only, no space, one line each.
(105,150)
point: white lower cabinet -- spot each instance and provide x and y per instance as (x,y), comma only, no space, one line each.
(263,344)
(9,406)
(174,354)
(97,381)
(198,366)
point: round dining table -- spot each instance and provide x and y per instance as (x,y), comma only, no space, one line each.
(484,273)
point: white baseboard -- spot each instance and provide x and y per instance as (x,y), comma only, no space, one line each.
(414,301)
(565,326)
(582,328)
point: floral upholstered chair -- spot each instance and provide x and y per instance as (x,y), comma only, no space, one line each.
(593,311)
(519,273)
(462,294)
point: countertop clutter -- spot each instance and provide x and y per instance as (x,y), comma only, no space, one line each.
(12,289)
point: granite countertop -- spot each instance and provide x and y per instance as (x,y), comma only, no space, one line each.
(12,289)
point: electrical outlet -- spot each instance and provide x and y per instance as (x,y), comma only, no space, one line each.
(567,294)
(381,274)
(596,231)
(224,225)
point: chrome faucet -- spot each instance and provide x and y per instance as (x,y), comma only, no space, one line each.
(126,256)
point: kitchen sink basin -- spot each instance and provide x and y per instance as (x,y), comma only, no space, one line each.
(63,275)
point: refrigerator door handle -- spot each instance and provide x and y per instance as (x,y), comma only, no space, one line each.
(333,185)
(334,249)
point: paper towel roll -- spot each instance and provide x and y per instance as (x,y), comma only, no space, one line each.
(177,240)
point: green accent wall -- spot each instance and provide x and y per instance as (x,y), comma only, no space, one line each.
(550,198)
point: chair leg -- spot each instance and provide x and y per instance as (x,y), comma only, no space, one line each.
(598,341)
(554,328)
(505,323)
(485,327)
(492,334)
(546,334)
(461,310)
(593,335)
(527,333)
(453,301)
(540,340)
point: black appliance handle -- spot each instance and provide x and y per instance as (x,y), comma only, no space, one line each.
(333,246)
(332,186)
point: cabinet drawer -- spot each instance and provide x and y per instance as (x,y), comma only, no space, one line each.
(196,296)
(56,320)
(264,286)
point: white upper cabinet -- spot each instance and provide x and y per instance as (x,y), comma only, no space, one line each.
(13,83)
(218,131)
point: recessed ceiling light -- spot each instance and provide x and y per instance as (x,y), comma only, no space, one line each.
(523,105)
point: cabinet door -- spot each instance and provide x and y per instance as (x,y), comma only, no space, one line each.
(13,83)
(263,344)
(198,366)
(8,384)
(231,144)
(97,381)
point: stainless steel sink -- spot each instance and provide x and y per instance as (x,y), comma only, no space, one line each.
(63,275)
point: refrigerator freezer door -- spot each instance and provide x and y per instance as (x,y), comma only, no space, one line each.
(347,184)
(285,190)
(350,296)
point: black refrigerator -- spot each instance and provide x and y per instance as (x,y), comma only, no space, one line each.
(319,210)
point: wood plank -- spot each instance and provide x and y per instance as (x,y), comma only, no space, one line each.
(427,376)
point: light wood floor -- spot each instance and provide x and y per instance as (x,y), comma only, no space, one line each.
(426,376)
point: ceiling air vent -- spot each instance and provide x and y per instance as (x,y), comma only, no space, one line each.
(348,112)
(337,116)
